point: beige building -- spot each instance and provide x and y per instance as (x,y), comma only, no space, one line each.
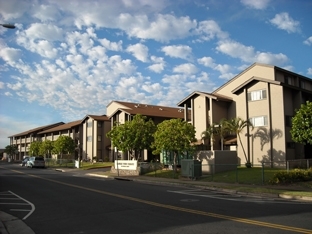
(266,95)
(120,112)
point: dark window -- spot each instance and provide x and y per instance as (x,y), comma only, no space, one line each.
(288,121)
(290,145)
(99,124)
(99,137)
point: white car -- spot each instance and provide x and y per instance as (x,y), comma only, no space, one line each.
(25,159)
(35,162)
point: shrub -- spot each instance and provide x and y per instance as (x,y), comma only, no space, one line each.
(296,175)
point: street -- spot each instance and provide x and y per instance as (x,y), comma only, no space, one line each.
(50,201)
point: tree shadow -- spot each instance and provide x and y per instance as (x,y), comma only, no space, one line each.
(278,158)
(266,135)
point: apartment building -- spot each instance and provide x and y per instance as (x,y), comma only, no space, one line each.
(89,135)
(267,96)
(120,112)
(24,139)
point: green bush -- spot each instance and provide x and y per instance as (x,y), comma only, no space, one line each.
(296,175)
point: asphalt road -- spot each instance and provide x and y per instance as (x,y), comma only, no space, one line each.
(49,201)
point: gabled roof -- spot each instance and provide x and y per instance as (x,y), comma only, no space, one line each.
(216,97)
(244,71)
(95,117)
(150,110)
(62,127)
(36,130)
(254,79)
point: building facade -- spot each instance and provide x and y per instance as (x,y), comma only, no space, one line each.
(267,96)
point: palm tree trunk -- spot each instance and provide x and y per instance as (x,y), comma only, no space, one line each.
(247,160)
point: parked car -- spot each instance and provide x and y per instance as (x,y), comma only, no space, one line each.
(36,162)
(25,159)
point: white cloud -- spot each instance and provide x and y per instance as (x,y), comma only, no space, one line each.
(158,66)
(139,51)
(248,53)
(256,4)
(310,71)
(46,12)
(115,46)
(10,55)
(187,68)
(285,22)
(13,9)
(224,69)
(208,30)
(163,28)
(308,41)
(2,85)
(38,38)
(178,51)
(207,61)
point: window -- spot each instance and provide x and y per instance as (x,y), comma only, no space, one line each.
(99,124)
(288,120)
(259,121)
(99,138)
(302,84)
(89,138)
(257,95)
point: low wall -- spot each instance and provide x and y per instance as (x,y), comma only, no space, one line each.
(217,160)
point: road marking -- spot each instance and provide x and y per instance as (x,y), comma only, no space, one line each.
(198,212)
(25,203)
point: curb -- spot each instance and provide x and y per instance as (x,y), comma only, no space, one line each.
(11,224)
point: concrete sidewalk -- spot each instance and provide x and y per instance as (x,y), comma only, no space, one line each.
(9,224)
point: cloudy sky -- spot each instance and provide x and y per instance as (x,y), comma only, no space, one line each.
(67,59)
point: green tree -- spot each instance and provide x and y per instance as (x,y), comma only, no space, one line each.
(64,145)
(11,150)
(133,136)
(46,148)
(174,135)
(301,130)
(34,148)
(236,126)
(208,134)
(222,130)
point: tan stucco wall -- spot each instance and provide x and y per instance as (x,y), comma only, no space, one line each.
(112,107)
(200,113)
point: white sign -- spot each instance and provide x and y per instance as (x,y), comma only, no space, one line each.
(126,164)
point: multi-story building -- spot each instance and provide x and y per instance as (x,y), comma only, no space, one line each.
(24,139)
(120,112)
(267,96)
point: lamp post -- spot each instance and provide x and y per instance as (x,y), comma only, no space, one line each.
(10,26)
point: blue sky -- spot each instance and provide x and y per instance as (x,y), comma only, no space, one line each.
(67,59)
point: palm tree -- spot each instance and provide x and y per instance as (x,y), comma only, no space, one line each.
(208,134)
(236,126)
(223,129)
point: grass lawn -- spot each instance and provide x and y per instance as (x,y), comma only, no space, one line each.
(240,175)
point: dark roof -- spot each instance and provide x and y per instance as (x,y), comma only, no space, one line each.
(151,110)
(97,117)
(36,130)
(217,97)
(62,127)
(254,79)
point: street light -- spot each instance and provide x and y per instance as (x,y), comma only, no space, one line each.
(11,26)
